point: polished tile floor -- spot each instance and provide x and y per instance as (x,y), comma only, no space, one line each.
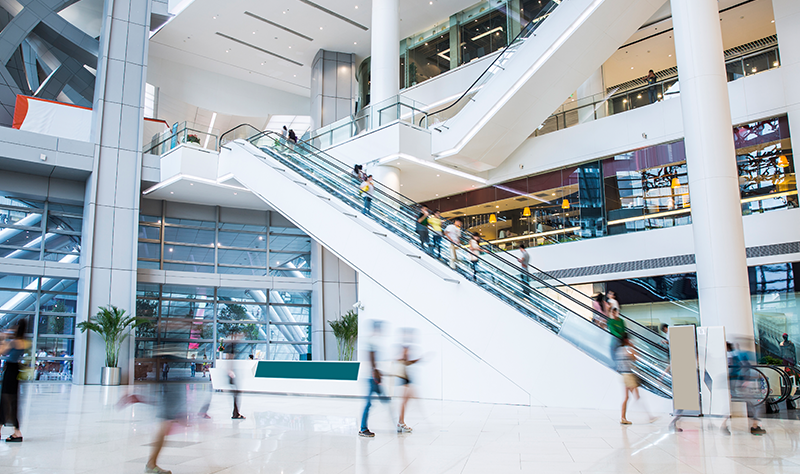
(72,429)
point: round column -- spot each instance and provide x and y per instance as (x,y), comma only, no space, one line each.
(385,60)
(389,176)
(723,285)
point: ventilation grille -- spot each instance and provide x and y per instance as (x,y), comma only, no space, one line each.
(650,264)
(743,50)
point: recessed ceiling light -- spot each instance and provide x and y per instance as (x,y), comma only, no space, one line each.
(213,18)
(773,21)
(631,67)
(356,7)
(295,75)
(290,47)
(437,175)
(430,3)
(254,32)
(670,55)
(354,42)
(320,27)
(437,195)
(172,192)
(235,194)
(191,184)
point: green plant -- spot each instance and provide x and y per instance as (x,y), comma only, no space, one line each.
(114,327)
(770,360)
(192,139)
(236,312)
(345,330)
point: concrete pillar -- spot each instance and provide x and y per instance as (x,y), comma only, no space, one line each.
(787,25)
(711,159)
(389,176)
(111,212)
(333,87)
(385,66)
(593,88)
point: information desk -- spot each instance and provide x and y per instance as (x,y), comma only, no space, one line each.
(296,377)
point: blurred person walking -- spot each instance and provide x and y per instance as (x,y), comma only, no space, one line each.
(435,223)
(474,255)
(744,380)
(453,234)
(625,358)
(403,378)
(373,346)
(616,326)
(422,228)
(788,352)
(357,175)
(12,347)
(367,192)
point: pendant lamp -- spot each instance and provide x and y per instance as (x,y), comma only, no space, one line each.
(526,212)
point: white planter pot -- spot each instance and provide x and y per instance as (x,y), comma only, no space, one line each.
(110,376)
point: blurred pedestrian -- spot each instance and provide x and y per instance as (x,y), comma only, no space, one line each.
(403,378)
(625,358)
(373,346)
(367,192)
(616,326)
(422,228)
(435,223)
(12,347)
(453,233)
(474,255)
(743,379)
(788,352)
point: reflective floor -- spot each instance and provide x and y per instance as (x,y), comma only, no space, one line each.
(71,429)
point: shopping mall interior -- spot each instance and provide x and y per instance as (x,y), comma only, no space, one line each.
(417,236)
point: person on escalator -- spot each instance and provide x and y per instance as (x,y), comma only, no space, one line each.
(474,255)
(453,234)
(422,228)
(435,223)
(616,326)
(524,259)
(788,352)
(597,305)
(367,192)
(357,175)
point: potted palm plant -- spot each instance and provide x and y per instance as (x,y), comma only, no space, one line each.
(346,332)
(114,327)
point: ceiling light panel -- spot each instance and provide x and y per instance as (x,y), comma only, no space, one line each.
(276,25)
(245,43)
(334,14)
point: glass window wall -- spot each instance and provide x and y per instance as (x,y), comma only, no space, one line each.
(52,303)
(428,59)
(483,35)
(39,230)
(223,247)
(192,323)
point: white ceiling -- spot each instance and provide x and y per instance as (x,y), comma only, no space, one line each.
(740,25)
(191,38)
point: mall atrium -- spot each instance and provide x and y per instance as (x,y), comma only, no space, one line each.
(551,236)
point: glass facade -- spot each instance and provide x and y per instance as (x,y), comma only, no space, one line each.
(217,246)
(192,323)
(39,230)
(630,192)
(52,303)
(484,35)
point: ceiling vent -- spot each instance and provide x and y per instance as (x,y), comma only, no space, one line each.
(245,43)
(288,30)
(334,14)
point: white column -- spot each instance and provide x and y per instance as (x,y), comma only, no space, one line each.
(787,25)
(388,176)
(385,62)
(111,210)
(713,179)
(586,93)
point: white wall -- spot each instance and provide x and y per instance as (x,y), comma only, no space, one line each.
(222,94)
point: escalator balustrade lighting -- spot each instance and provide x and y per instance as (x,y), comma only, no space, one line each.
(526,212)
(783,162)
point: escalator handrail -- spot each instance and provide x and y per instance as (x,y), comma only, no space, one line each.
(239,126)
(787,383)
(652,370)
(659,345)
(524,32)
(532,272)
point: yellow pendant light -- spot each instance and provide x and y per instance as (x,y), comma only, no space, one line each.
(565,204)
(675,183)
(526,212)
(783,162)
(492,219)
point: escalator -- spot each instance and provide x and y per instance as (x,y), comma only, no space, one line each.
(318,194)
(552,56)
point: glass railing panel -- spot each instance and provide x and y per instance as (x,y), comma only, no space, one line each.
(536,295)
